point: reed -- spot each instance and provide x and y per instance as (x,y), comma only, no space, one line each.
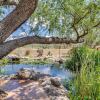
(86,64)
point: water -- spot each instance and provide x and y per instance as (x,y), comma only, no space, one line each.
(46,69)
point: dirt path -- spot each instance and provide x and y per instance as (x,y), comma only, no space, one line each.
(24,90)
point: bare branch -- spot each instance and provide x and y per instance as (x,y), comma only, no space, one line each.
(84,34)
(9,46)
(98,24)
(81,18)
(40,40)
(85,31)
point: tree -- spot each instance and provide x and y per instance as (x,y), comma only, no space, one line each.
(61,17)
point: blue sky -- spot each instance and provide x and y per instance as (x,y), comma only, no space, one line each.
(23,28)
(19,30)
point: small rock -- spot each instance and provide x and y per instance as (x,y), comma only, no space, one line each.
(28,74)
(46,82)
(34,77)
(24,74)
(51,91)
(54,88)
(56,82)
(3,94)
(41,81)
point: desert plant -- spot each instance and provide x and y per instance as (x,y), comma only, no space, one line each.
(27,53)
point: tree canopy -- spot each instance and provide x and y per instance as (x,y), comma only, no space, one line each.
(71,18)
(66,21)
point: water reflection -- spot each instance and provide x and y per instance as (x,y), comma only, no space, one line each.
(46,69)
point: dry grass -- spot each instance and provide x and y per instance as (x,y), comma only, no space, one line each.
(47,53)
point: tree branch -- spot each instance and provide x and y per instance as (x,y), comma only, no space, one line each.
(97,25)
(81,18)
(84,34)
(85,31)
(16,18)
(39,40)
(9,46)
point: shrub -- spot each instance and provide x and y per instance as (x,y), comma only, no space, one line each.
(27,53)
(82,55)
(86,84)
(4,61)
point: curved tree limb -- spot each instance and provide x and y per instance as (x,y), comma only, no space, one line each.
(9,46)
(16,18)
(97,25)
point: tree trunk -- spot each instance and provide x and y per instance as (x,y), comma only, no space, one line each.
(16,18)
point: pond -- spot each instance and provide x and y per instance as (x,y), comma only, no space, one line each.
(46,69)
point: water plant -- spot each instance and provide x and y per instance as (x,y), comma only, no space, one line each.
(37,61)
(3,62)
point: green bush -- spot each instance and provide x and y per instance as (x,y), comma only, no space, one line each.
(35,62)
(4,61)
(82,55)
(86,84)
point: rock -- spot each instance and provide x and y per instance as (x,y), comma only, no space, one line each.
(54,89)
(56,82)
(41,81)
(59,61)
(51,85)
(46,82)
(3,94)
(29,74)
(50,90)
(55,93)
(24,74)
(58,98)
(34,76)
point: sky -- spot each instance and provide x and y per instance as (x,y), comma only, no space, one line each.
(24,29)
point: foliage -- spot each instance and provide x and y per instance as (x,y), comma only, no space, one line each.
(59,16)
(86,85)
(93,40)
(4,61)
(81,55)
(35,62)
(64,18)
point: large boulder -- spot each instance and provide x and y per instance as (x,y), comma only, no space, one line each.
(51,85)
(29,74)
(54,89)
